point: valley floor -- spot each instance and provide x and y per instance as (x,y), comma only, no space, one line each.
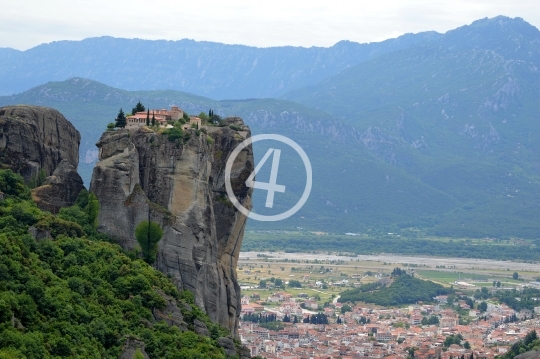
(319,278)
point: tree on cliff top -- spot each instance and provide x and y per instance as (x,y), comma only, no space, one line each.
(148,234)
(121,119)
(138,108)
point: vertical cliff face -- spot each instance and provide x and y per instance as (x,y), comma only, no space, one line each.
(34,138)
(42,146)
(181,186)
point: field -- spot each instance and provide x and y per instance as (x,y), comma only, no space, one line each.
(330,268)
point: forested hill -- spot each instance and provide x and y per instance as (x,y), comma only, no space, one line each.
(405,289)
(205,68)
(457,113)
(66,291)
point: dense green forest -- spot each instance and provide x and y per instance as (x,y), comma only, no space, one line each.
(404,290)
(408,243)
(76,295)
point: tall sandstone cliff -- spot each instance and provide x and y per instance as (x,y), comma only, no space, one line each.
(42,146)
(141,175)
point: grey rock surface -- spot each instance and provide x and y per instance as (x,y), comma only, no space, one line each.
(201,328)
(34,138)
(533,354)
(60,190)
(245,353)
(39,234)
(171,314)
(228,345)
(142,175)
(131,347)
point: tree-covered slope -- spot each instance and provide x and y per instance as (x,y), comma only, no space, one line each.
(459,113)
(72,294)
(405,289)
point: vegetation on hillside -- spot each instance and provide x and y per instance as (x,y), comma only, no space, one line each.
(76,295)
(404,290)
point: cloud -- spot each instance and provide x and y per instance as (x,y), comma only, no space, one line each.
(269,23)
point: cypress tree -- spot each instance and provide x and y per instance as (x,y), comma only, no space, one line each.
(148,234)
(153,119)
(138,108)
(121,119)
(148,118)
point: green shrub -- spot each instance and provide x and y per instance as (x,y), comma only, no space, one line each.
(148,234)
(58,226)
(82,198)
(174,133)
(203,116)
(25,212)
(37,180)
(92,209)
(12,184)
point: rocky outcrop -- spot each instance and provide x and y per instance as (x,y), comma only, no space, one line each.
(60,190)
(533,354)
(170,313)
(143,175)
(228,345)
(133,348)
(34,138)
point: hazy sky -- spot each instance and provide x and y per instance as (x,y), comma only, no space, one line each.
(27,23)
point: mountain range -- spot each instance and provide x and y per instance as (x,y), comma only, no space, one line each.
(429,131)
(205,68)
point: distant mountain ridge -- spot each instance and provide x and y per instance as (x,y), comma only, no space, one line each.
(209,69)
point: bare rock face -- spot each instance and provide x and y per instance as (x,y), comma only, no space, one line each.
(171,314)
(60,190)
(39,143)
(34,138)
(142,175)
(228,345)
(533,354)
(133,347)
